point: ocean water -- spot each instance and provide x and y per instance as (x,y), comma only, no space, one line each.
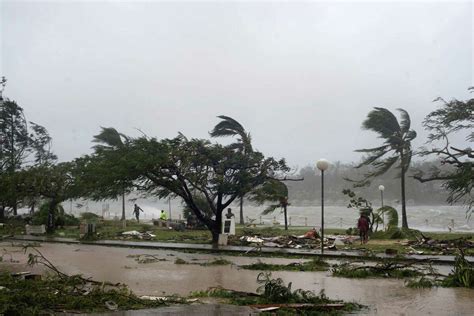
(423,217)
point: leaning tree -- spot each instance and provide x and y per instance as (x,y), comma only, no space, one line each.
(276,193)
(20,140)
(108,140)
(395,151)
(187,168)
(230,127)
(456,170)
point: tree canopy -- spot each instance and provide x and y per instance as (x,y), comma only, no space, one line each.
(22,144)
(186,168)
(456,170)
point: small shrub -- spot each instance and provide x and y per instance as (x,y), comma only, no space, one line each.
(180,261)
(90,217)
(422,282)
(462,274)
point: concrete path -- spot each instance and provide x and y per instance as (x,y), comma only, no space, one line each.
(335,254)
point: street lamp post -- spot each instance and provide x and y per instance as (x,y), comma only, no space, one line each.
(322,165)
(169,205)
(381,189)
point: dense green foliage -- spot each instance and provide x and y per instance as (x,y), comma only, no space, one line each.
(462,274)
(61,218)
(189,215)
(230,127)
(90,217)
(21,143)
(275,192)
(182,167)
(452,118)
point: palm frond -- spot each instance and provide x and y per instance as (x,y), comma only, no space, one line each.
(382,121)
(368,150)
(270,209)
(227,127)
(230,127)
(109,137)
(371,158)
(405,121)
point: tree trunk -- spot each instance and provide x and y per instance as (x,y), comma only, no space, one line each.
(2,213)
(216,229)
(123,205)
(286,218)
(15,209)
(404,210)
(215,238)
(242,210)
(51,218)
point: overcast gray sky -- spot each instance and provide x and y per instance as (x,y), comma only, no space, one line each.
(301,77)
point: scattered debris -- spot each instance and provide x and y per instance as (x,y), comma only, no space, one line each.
(385,269)
(111,305)
(442,247)
(154,298)
(24,293)
(136,234)
(146,258)
(313,307)
(311,234)
(310,240)
(35,229)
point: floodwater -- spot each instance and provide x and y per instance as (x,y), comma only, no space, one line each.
(383,296)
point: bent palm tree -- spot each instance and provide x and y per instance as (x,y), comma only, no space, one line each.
(230,127)
(110,139)
(273,191)
(397,146)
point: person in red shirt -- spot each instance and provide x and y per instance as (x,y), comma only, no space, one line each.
(363,226)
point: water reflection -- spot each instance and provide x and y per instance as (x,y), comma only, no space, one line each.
(384,296)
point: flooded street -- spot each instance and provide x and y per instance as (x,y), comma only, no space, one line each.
(383,296)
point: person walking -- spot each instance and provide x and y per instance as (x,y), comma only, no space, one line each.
(136,211)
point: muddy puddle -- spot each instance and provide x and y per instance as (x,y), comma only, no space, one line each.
(383,296)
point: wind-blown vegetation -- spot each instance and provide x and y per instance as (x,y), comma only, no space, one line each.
(273,292)
(396,148)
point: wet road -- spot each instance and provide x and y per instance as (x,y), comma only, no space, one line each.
(383,296)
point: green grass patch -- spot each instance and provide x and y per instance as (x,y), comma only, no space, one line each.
(313,265)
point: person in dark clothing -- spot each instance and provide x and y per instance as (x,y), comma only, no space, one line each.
(363,226)
(136,211)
